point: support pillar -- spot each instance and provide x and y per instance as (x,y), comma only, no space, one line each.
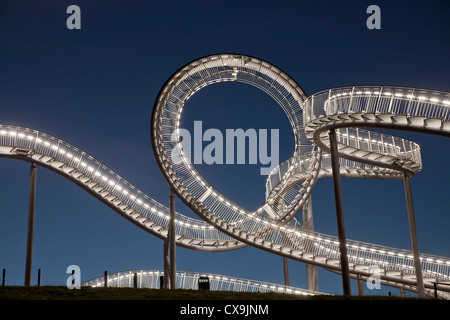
(413,232)
(402,293)
(105,278)
(286,271)
(339,213)
(360,283)
(311,271)
(172,256)
(39,278)
(30,229)
(166,263)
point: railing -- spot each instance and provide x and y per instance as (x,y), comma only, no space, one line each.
(388,107)
(376,142)
(189,280)
(431,104)
(166,120)
(100,177)
(260,227)
(360,253)
(280,172)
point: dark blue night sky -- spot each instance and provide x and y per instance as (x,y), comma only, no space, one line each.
(95,88)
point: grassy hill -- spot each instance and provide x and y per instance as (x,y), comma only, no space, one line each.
(88,293)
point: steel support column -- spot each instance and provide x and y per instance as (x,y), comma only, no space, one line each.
(413,232)
(360,283)
(30,229)
(172,263)
(308,224)
(166,276)
(339,214)
(286,271)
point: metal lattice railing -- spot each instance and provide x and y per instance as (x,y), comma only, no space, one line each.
(190,281)
(349,108)
(431,104)
(190,184)
(101,179)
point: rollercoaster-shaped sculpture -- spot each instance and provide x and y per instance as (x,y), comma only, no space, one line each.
(226,225)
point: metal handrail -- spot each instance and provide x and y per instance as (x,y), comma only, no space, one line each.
(378,106)
(100,177)
(189,280)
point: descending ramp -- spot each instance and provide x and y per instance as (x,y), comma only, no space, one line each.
(226,225)
(190,281)
(104,184)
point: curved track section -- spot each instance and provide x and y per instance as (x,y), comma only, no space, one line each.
(349,109)
(189,281)
(348,168)
(176,166)
(385,157)
(104,184)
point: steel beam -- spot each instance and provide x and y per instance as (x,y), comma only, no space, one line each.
(413,233)
(172,246)
(339,214)
(166,276)
(30,229)
(286,271)
(308,224)
(360,283)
